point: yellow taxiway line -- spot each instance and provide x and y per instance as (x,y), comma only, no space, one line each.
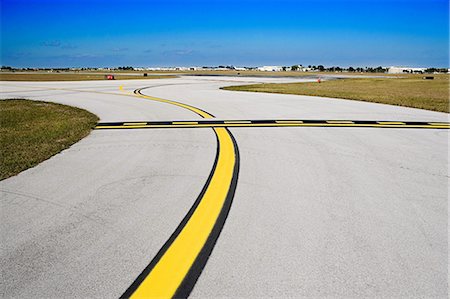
(177,266)
(168,274)
(270,123)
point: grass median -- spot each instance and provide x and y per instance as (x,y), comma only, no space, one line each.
(410,91)
(33,131)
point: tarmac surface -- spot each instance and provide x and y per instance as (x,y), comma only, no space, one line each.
(337,212)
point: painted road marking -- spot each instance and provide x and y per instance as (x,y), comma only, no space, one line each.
(165,276)
(185,123)
(289,121)
(135,124)
(391,123)
(174,271)
(339,122)
(274,123)
(237,121)
(439,124)
(196,110)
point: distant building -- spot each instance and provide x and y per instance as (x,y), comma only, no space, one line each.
(270,68)
(409,70)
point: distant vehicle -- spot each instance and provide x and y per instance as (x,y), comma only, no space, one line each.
(109,77)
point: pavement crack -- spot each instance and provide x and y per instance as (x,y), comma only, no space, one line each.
(40,199)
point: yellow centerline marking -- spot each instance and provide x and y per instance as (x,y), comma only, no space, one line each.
(191,108)
(237,122)
(391,123)
(135,124)
(169,272)
(439,124)
(289,121)
(339,122)
(185,123)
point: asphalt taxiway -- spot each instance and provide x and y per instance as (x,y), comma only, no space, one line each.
(332,210)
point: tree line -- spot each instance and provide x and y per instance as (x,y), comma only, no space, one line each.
(351,69)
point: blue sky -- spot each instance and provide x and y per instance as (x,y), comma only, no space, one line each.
(81,33)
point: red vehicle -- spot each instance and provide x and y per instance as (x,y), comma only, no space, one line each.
(109,77)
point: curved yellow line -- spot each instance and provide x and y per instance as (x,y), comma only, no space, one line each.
(170,271)
(200,112)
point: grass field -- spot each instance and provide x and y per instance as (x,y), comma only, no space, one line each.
(32,131)
(252,73)
(71,77)
(255,73)
(409,91)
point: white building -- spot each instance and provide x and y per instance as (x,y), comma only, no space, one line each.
(270,68)
(401,70)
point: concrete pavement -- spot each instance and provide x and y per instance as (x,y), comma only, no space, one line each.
(318,212)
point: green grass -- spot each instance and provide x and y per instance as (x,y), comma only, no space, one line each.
(254,73)
(410,91)
(32,131)
(71,77)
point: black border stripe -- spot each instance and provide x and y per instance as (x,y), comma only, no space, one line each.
(188,283)
(138,92)
(137,282)
(271,122)
(219,124)
(261,121)
(199,264)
